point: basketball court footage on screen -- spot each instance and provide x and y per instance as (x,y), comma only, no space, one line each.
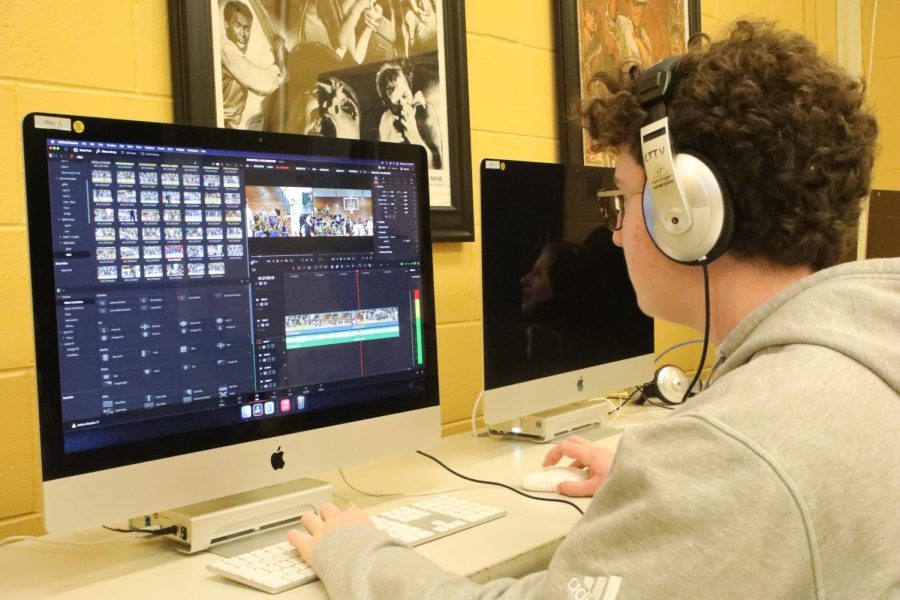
(284,211)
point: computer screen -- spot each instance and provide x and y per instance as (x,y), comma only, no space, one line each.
(561,320)
(206,298)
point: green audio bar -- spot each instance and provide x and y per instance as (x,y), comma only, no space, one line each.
(341,337)
(418,302)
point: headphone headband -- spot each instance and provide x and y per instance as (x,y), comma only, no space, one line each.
(655,86)
(686,209)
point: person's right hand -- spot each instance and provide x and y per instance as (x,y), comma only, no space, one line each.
(373,16)
(407,123)
(596,459)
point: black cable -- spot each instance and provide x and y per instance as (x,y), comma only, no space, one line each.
(650,400)
(642,396)
(687,392)
(638,389)
(151,532)
(503,485)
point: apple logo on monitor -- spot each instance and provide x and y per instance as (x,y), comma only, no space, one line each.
(278,459)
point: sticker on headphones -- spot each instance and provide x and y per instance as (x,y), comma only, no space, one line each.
(672,211)
(48,122)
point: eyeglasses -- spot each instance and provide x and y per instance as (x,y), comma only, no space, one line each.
(612,206)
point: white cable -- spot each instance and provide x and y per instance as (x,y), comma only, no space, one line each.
(623,400)
(612,409)
(679,345)
(475,412)
(871,46)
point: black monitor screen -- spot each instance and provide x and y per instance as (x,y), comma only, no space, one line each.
(556,292)
(216,286)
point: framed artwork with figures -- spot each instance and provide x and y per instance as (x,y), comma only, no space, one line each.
(386,70)
(598,35)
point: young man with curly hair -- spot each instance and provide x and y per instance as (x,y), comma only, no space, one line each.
(782,478)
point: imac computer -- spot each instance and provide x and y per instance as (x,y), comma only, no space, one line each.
(219,312)
(561,321)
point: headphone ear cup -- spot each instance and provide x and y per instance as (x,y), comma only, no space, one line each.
(648,390)
(670,383)
(709,204)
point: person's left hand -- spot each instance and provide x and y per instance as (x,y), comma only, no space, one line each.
(319,526)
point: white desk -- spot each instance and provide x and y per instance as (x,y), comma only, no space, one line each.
(519,543)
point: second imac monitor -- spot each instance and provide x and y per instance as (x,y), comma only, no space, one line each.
(561,321)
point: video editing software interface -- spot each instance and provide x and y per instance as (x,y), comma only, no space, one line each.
(198,288)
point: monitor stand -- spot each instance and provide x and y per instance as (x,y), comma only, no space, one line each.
(214,522)
(556,423)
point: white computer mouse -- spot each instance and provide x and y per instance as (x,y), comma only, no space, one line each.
(547,479)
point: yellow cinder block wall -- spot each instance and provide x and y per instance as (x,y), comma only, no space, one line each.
(111,58)
(100,57)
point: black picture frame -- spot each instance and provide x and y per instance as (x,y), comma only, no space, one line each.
(568,43)
(193,91)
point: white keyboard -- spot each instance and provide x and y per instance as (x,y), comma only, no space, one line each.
(279,567)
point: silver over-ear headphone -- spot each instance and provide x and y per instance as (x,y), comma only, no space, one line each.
(669,385)
(686,205)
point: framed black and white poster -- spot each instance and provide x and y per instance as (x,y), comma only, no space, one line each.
(389,70)
(597,35)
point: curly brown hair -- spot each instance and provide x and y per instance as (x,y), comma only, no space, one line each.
(785,127)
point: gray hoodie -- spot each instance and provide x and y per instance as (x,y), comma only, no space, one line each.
(780,480)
